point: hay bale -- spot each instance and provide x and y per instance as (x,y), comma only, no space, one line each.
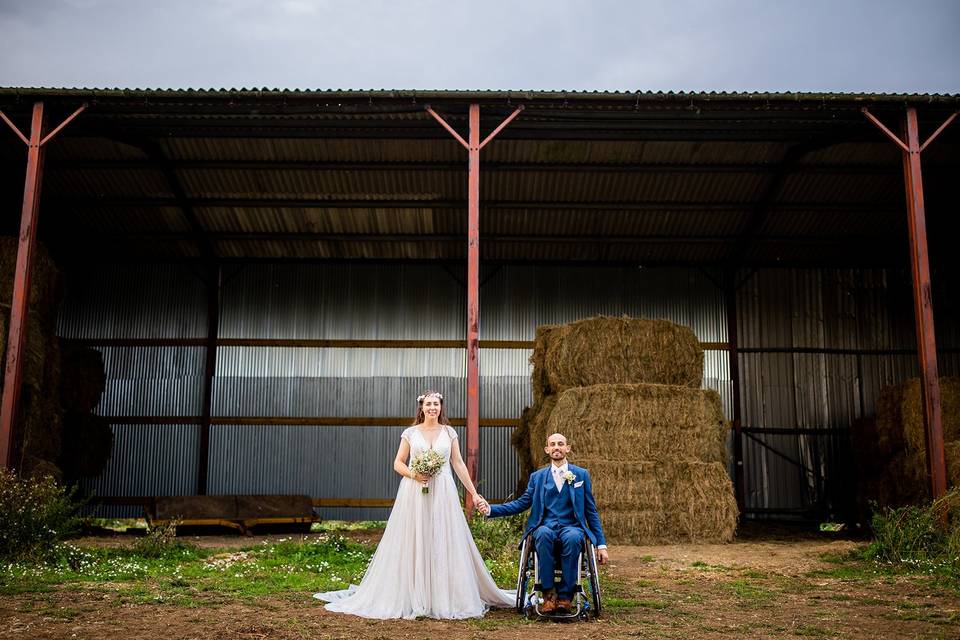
(543,339)
(87,444)
(34,467)
(636,527)
(642,422)
(696,497)
(617,350)
(911,412)
(539,429)
(83,378)
(44,281)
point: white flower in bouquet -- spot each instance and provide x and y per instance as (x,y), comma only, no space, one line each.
(427,463)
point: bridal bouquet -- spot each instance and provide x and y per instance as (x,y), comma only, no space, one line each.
(428,463)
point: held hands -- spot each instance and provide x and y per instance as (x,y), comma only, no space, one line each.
(481,505)
(602,556)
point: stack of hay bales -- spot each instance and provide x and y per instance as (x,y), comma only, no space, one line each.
(56,433)
(37,443)
(890,449)
(625,392)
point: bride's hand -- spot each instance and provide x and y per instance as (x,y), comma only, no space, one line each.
(422,478)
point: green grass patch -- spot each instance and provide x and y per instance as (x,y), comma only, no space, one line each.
(185,575)
(329,526)
(749,593)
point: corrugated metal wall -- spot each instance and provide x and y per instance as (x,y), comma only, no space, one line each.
(786,472)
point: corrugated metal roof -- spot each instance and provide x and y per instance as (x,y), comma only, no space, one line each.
(693,178)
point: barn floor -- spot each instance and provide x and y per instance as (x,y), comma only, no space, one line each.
(765,585)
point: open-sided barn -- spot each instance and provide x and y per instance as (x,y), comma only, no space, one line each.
(273,276)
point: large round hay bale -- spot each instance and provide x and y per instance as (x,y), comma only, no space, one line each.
(617,350)
(911,411)
(642,422)
(83,378)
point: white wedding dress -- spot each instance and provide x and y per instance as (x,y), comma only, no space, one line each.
(426,563)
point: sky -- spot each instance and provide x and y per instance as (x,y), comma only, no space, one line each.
(873,46)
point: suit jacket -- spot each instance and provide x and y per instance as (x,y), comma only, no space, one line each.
(541,481)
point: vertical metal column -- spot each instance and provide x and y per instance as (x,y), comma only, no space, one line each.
(730,293)
(473,298)
(473,280)
(213,282)
(922,293)
(923,307)
(13,371)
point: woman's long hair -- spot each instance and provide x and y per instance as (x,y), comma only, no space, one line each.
(442,418)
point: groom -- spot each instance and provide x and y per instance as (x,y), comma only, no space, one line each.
(562,512)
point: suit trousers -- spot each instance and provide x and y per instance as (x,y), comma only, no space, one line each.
(566,541)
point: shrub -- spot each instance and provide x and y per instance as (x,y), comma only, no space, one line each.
(161,542)
(497,540)
(913,536)
(35,515)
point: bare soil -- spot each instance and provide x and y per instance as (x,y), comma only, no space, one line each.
(767,586)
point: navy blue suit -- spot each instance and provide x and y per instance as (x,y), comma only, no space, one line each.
(557,518)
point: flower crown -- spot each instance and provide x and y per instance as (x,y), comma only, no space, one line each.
(422,396)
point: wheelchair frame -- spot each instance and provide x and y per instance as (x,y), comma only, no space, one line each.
(530,591)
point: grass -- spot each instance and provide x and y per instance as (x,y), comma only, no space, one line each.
(750,594)
(182,572)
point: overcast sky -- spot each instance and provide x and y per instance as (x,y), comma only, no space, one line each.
(723,45)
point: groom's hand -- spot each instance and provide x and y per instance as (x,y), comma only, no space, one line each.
(602,556)
(482,505)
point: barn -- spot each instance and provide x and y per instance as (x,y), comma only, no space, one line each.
(272,276)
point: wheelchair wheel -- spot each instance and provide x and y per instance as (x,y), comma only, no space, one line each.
(594,580)
(523,577)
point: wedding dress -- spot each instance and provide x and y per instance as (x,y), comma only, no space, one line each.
(427,563)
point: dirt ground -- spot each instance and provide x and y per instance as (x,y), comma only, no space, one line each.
(761,586)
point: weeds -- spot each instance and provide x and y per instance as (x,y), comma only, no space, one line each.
(35,516)
(922,538)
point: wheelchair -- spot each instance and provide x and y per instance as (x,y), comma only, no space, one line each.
(586,597)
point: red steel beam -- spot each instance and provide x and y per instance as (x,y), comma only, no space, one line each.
(13,371)
(473,281)
(923,306)
(473,301)
(19,305)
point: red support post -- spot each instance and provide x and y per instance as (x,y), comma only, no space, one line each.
(473,300)
(923,306)
(473,146)
(13,371)
(19,305)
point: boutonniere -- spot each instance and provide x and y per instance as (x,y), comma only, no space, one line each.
(569,477)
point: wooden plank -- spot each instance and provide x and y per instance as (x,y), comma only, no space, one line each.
(314,421)
(321,344)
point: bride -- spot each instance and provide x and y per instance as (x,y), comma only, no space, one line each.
(426,563)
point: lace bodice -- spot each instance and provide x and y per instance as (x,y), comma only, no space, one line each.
(442,444)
